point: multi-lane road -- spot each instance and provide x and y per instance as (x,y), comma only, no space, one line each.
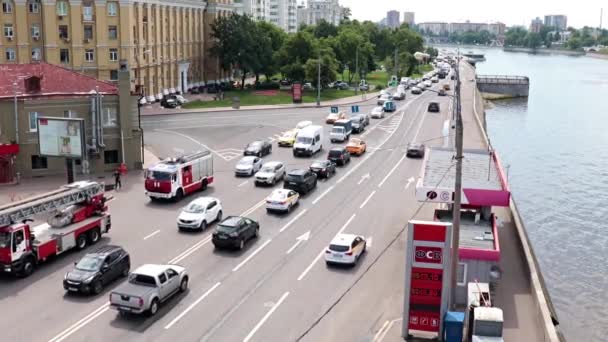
(278,288)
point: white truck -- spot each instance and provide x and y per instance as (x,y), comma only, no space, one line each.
(341,130)
(487,324)
(308,141)
(149,286)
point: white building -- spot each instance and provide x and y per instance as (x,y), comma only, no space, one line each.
(558,21)
(317,10)
(409,18)
(282,13)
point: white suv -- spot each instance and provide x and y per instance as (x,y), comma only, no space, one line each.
(345,249)
(199,213)
(270,173)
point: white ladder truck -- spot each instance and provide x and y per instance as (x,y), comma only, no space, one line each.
(78,217)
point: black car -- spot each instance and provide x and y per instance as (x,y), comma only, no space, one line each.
(433,107)
(258,148)
(323,168)
(97,269)
(339,155)
(212,88)
(358,123)
(234,231)
(169,101)
(415,150)
(300,180)
(195,90)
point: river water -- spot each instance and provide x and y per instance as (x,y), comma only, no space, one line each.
(555,144)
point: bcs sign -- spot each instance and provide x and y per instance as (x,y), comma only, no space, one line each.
(428,254)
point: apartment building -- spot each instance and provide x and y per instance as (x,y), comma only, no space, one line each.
(282,13)
(409,18)
(162,41)
(317,10)
(392,19)
(558,21)
(443,29)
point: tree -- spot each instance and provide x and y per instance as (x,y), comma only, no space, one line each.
(296,50)
(432,51)
(406,64)
(346,13)
(533,40)
(269,38)
(329,68)
(516,36)
(574,43)
(347,45)
(324,29)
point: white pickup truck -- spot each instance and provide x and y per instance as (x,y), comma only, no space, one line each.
(147,287)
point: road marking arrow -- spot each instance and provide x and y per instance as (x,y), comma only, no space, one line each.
(409,181)
(299,239)
(363,178)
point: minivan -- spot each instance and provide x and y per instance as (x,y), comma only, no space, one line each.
(309,141)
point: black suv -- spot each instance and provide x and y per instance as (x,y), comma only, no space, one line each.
(433,107)
(339,155)
(300,180)
(234,231)
(97,269)
(323,168)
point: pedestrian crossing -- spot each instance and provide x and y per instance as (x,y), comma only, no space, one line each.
(229,154)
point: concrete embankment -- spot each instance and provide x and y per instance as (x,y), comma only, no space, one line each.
(544,51)
(597,55)
(544,315)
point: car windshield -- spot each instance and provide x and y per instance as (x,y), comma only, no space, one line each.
(339,248)
(142,279)
(318,164)
(378,109)
(335,153)
(294,178)
(304,140)
(278,195)
(89,263)
(337,130)
(226,229)
(267,169)
(245,162)
(5,239)
(255,144)
(194,208)
(289,134)
(159,175)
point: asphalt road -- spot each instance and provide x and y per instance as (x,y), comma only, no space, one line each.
(270,291)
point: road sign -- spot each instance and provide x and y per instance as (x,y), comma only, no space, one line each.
(334,109)
(354,109)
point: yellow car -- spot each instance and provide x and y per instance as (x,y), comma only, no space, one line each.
(356,146)
(288,138)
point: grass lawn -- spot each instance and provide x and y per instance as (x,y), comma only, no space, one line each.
(248,98)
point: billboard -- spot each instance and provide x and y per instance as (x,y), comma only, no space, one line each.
(297,92)
(61,137)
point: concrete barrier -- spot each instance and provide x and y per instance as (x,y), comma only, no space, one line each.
(499,84)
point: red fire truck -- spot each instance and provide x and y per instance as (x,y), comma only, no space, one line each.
(78,218)
(173,178)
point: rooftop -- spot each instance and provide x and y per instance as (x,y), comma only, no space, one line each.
(478,170)
(474,235)
(43,79)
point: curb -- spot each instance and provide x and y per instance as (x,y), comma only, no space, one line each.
(273,107)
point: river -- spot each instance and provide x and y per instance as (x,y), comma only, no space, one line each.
(555,146)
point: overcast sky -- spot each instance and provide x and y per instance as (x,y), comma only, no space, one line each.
(510,12)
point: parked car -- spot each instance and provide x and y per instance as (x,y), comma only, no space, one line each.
(345,249)
(169,101)
(416,91)
(258,148)
(199,213)
(415,150)
(212,88)
(341,85)
(270,173)
(323,168)
(247,166)
(234,232)
(288,138)
(356,146)
(195,90)
(307,86)
(433,107)
(339,155)
(378,112)
(364,87)
(147,287)
(300,180)
(389,106)
(282,200)
(97,269)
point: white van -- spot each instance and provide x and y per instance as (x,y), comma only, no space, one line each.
(308,141)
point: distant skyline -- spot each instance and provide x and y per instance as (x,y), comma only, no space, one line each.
(514,12)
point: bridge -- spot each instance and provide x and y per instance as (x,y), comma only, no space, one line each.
(504,84)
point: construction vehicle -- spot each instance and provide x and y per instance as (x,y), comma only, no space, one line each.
(78,217)
(172,178)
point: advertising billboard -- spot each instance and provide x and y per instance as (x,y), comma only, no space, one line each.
(61,137)
(297,92)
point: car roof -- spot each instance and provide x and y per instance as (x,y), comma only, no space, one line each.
(324,161)
(337,149)
(150,269)
(231,221)
(279,191)
(105,250)
(297,172)
(271,163)
(343,239)
(203,200)
(256,142)
(355,140)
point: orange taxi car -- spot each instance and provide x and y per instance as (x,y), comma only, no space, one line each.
(356,146)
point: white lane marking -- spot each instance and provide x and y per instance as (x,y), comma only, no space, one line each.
(292,221)
(353,169)
(191,306)
(151,234)
(387,327)
(190,250)
(363,178)
(391,171)
(323,250)
(367,199)
(251,256)
(409,181)
(266,316)
(189,138)
(419,127)
(368,242)
(300,239)
(254,208)
(322,195)
(82,322)
(245,182)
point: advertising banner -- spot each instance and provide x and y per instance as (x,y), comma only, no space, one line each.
(296,90)
(61,137)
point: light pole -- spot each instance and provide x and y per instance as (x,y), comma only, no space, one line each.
(457,188)
(357,70)
(319,80)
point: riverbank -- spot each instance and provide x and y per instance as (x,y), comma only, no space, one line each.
(544,51)
(493,96)
(597,55)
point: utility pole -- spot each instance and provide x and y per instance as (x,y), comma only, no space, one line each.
(457,188)
(16,114)
(395,74)
(319,81)
(357,70)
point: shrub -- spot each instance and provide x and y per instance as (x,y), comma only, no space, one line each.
(267,86)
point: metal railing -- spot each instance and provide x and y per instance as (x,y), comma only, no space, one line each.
(503,79)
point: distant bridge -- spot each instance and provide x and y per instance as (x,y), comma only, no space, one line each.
(503,84)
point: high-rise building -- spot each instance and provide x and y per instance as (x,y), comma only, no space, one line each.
(408,18)
(392,19)
(536,25)
(317,10)
(282,13)
(163,42)
(558,21)
(443,28)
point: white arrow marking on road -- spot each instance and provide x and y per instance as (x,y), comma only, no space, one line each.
(299,239)
(363,178)
(409,181)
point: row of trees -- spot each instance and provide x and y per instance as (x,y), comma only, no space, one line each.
(586,36)
(548,36)
(482,37)
(261,48)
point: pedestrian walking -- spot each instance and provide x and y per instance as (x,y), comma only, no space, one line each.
(117,181)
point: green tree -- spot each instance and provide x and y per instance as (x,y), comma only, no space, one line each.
(329,68)
(348,45)
(516,36)
(574,43)
(432,51)
(324,29)
(269,38)
(406,64)
(296,50)
(346,13)
(533,40)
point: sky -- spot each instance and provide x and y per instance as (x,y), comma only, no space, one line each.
(510,12)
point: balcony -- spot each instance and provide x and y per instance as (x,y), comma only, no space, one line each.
(88,17)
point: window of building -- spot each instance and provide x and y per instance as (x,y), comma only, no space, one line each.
(112,32)
(110,157)
(8,30)
(34,7)
(89,55)
(33,116)
(113,75)
(110,117)
(36,54)
(64,55)
(62,8)
(113,55)
(7,6)
(87,13)
(69,114)
(63,32)
(112,9)
(88,32)
(10,54)
(39,162)
(461,275)
(35,31)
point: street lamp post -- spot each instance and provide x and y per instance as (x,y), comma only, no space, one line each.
(357,69)
(457,188)
(319,81)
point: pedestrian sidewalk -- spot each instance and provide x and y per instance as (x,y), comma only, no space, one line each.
(156,109)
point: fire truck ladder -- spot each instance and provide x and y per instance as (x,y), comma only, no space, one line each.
(66,195)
